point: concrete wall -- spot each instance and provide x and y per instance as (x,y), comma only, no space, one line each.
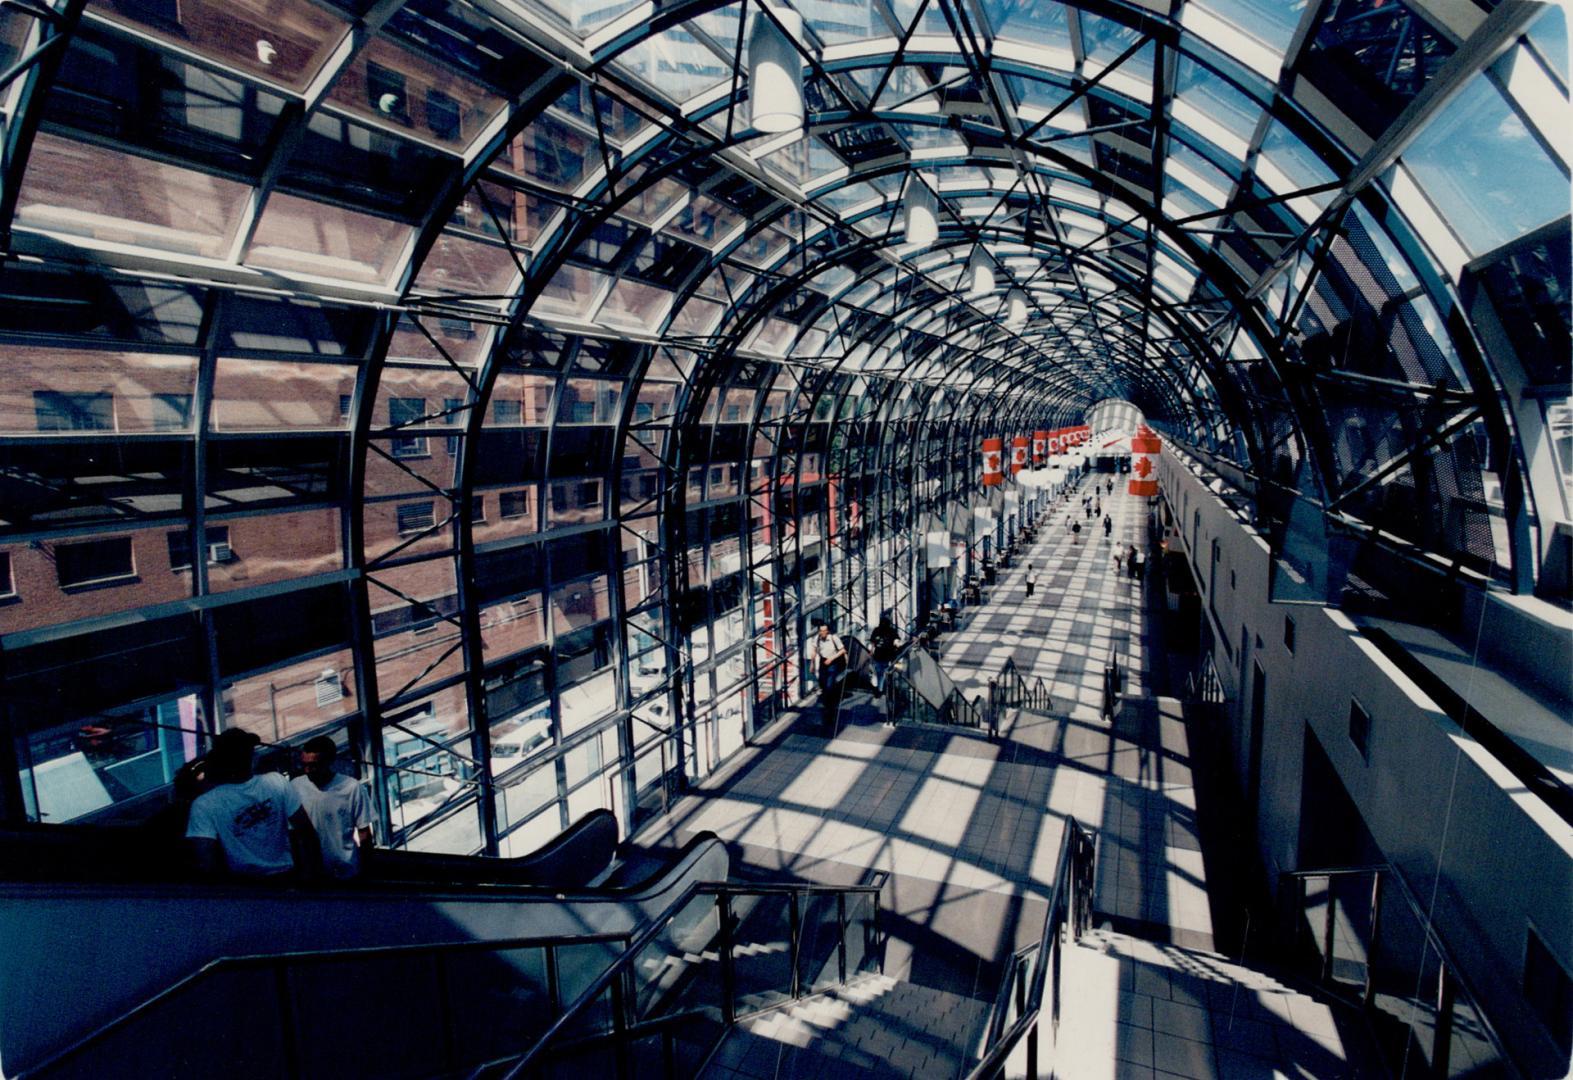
(1430,796)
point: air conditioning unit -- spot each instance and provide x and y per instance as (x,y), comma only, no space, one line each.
(220,552)
(328,688)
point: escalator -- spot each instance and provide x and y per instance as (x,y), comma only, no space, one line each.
(128,970)
(654,974)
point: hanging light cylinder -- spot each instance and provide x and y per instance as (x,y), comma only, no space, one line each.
(921,224)
(1016,308)
(775,72)
(980,274)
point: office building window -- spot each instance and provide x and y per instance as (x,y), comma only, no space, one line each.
(403,411)
(505,411)
(415,518)
(94,562)
(452,415)
(478,509)
(513,504)
(7,582)
(344,408)
(57,411)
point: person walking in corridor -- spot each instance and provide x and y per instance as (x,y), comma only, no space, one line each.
(1032,580)
(1108,526)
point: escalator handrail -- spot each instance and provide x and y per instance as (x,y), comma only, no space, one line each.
(651,930)
(371,886)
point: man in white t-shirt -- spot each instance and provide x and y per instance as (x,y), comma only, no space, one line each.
(243,824)
(339,808)
(831,655)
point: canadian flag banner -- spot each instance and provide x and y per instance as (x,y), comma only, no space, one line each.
(992,471)
(1040,446)
(1018,454)
(1145,448)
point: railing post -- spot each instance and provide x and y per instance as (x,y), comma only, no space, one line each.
(1327,933)
(1442,1037)
(554,993)
(796,950)
(728,974)
(619,1029)
(1371,949)
(841,935)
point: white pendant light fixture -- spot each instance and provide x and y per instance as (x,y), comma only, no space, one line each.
(980,274)
(775,72)
(1016,308)
(921,224)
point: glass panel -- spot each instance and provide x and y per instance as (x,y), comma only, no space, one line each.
(286,41)
(128,93)
(102,766)
(819,954)
(678,972)
(327,241)
(415,641)
(60,390)
(1486,171)
(524,795)
(260,550)
(862,934)
(423,775)
(395,86)
(468,268)
(258,395)
(589,401)
(761,950)
(499,1001)
(114,198)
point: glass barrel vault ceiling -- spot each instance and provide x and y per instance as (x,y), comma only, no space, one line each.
(495,335)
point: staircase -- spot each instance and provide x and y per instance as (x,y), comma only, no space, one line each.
(1193,1013)
(875,1026)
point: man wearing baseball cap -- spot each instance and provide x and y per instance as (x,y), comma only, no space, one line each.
(243,823)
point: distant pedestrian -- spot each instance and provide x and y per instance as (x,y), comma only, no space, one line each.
(1076,533)
(1119,557)
(1138,561)
(1108,526)
(1032,580)
(884,651)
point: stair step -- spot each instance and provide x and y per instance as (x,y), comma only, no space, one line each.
(875,1026)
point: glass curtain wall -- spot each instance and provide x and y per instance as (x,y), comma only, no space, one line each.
(476,386)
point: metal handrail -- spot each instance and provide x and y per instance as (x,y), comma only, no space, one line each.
(1386,871)
(653,929)
(230,963)
(1077,845)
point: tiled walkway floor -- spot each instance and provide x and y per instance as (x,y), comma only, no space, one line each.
(969,829)
(1083,612)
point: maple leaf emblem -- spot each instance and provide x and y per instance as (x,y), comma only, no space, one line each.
(1142,468)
